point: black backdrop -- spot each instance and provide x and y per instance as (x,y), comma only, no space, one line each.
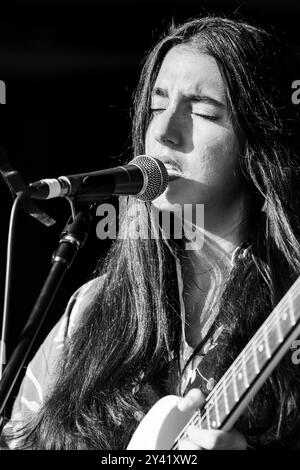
(70,68)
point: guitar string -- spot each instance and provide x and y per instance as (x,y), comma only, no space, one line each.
(215,393)
(256,339)
(243,357)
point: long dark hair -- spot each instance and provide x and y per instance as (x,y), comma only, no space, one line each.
(116,363)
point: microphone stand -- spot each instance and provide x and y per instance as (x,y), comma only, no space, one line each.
(72,239)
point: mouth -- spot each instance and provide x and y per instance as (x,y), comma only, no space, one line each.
(173,170)
(173,176)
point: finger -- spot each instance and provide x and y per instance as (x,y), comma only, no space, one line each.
(188,445)
(216,439)
(193,399)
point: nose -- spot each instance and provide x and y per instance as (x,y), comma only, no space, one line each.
(167,129)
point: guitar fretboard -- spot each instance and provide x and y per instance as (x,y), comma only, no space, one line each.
(257,359)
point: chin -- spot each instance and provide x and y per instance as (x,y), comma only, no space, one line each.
(173,198)
(168,201)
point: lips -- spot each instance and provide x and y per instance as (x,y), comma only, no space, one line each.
(173,171)
(172,167)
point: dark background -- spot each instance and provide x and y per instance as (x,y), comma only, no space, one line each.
(70,69)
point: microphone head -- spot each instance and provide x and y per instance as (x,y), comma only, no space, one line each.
(156,177)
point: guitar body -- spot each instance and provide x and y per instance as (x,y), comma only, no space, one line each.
(160,426)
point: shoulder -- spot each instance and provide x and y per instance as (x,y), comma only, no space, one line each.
(41,372)
(80,300)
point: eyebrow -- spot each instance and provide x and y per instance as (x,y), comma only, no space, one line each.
(158,91)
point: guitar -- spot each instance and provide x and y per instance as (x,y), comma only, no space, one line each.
(164,426)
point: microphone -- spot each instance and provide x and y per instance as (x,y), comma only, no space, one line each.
(145,177)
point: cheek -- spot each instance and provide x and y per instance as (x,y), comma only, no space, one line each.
(147,141)
(150,142)
(216,159)
(222,151)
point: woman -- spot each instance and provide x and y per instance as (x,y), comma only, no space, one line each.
(169,316)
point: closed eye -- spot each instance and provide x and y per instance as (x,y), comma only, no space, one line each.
(207,116)
(154,111)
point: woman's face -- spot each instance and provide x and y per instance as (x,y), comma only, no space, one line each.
(191,130)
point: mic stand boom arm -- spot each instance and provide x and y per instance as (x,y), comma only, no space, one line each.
(72,239)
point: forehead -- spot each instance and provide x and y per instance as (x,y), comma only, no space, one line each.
(191,71)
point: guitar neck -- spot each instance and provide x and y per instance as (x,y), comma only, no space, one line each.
(251,368)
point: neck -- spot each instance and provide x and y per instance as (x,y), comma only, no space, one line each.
(205,269)
(223,231)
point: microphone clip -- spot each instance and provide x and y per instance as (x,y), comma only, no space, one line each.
(17,186)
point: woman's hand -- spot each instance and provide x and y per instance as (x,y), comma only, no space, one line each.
(204,438)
